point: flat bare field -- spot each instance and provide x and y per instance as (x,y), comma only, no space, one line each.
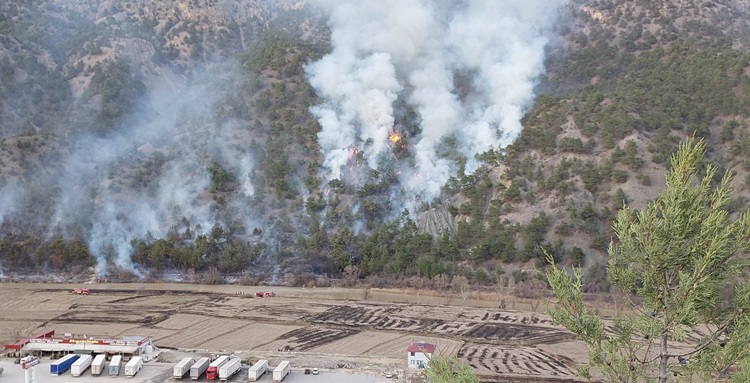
(329,328)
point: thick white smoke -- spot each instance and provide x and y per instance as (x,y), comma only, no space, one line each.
(419,51)
(151,175)
(246,181)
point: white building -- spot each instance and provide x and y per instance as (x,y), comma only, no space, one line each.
(419,354)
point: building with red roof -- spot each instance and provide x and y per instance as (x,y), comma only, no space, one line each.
(418,354)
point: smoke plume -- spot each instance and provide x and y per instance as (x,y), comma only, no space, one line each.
(467,68)
(179,139)
(150,175)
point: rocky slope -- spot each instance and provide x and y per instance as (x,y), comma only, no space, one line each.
(196,115)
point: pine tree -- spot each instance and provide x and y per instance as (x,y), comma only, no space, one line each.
(682,264)
(445,370)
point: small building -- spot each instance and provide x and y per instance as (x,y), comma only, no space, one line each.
(419,354)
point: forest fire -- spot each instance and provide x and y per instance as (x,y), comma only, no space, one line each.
(355,156)
(398,145)
(394,137)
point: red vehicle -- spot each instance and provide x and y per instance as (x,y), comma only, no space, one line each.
(213,369)
(81,291)
(261,294)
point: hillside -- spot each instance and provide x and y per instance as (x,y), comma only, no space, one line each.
(139,140)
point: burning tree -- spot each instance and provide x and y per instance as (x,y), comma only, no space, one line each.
(398,145)
(680,263)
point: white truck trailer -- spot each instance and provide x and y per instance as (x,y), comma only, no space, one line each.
(281,371)
(257,370)
(81,365)
(229,369)
(199,367)
(180,369)
(97,366)
(133,366)
(114,365)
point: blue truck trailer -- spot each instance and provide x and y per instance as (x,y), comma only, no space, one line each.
(63,364)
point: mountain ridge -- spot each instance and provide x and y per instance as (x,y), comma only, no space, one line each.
(624,84)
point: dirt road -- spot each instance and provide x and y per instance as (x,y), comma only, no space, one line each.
(328,328)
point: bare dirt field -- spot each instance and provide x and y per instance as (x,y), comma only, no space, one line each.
(329,328)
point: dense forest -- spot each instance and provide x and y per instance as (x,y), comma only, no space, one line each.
(624,83)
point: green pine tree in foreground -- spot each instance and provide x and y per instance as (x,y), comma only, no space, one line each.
(682,264)
(445,370)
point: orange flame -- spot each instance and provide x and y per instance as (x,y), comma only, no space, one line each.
(394,137)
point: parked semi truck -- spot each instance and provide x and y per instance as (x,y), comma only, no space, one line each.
(97,366)
(133,366)
(197,369)
(61,365)
(81,365)
(257,370)
(114,365)
(229,369)
(180,369)
(212,373)
(281,371)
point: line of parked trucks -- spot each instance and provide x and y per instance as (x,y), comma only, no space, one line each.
(79,363)
(225,367)
(222,368)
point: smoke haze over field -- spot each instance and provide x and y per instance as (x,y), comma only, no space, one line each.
(468,69)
